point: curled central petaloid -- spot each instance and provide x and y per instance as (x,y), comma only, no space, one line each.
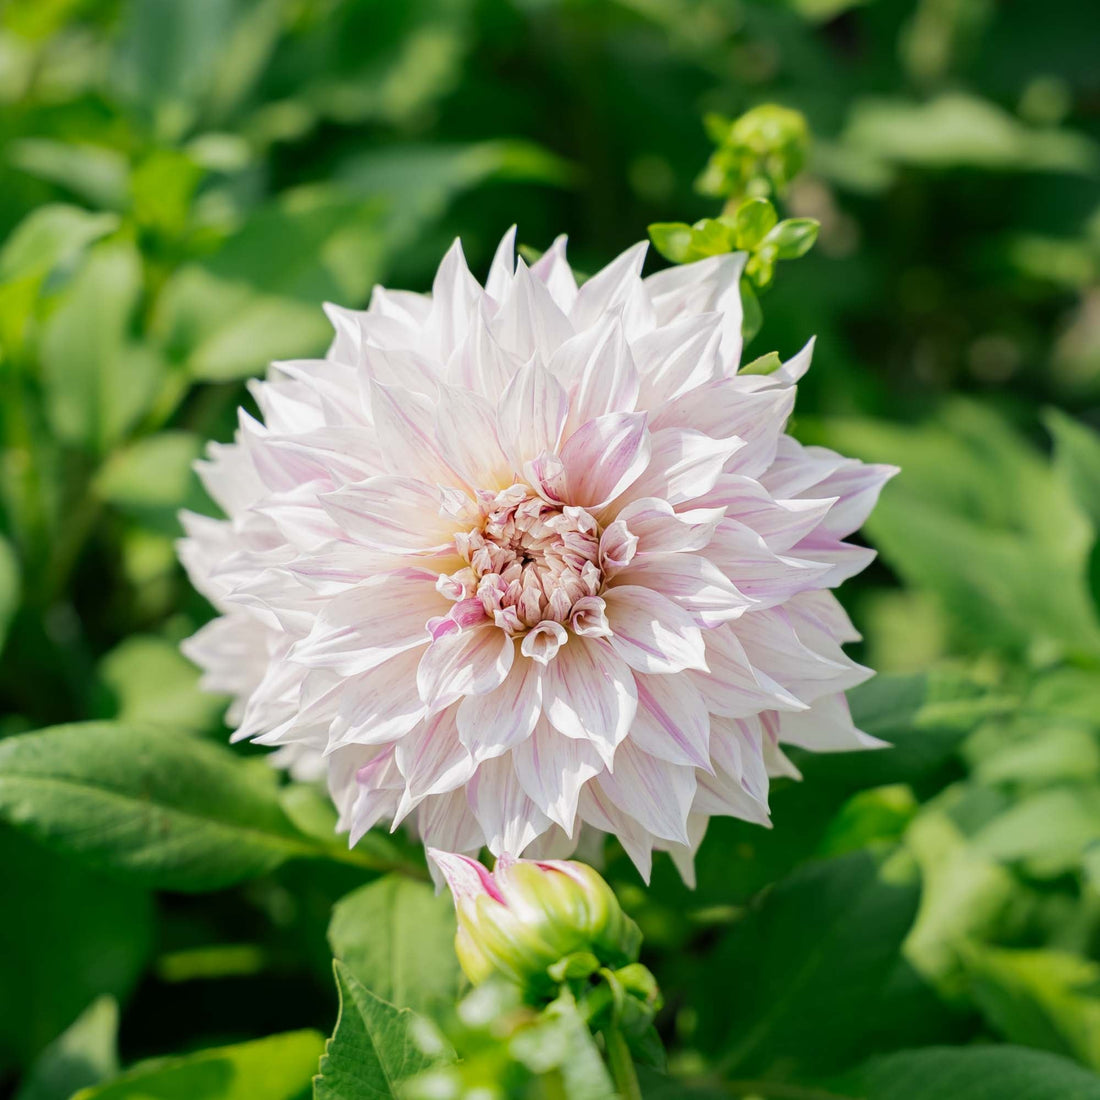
(534,569)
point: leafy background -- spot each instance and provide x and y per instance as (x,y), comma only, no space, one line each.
(183,181)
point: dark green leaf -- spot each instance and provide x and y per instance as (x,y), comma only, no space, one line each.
(276,1068)
(163,808)
(371,1050)
(396,936)
(84,1054)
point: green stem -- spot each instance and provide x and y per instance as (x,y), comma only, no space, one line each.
(621,1063)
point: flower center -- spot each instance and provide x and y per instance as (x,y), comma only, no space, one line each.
(530,562)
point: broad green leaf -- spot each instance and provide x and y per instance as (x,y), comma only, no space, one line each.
(67,936)
(82,1055)
(276,1068)
(372,1050)
(969,1073)
(97,383)
(1048,999)
(803,971)
(152,684)
(163,808)
(1008,568)
(1077,459)
(396,936)
(153,478)
(961,130)
(965,895)
(95,173)
(1047,832)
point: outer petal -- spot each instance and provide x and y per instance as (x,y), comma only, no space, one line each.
(651,633)
(589,694)
(464,662)
(507,815)
(655,793)
(672,722)
(499,720)
(605,457)
(552,769)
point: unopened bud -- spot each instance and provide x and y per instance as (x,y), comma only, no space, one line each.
(525,916)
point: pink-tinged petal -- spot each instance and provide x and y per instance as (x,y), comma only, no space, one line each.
(529,321)
(552,769)
(732,687)
(692,581)
(481,364)
(405,425)
(775,648)
(737,748)
(651,633)
(589,618)
(466,430)
(379,706)
(531,414)
(464,662)
(503,267)
(432,760)
(597,810)
(552,268)
(857,487)
(359,629)
(509,819)
(677,358)
(826,727)
(609,288)
(684,464)
(843,559)
(825,612)
(604,378)
(706,286)
(780,523)
(445,819)
(543,640)
(455,298)
(589,694)
(795,367)
(395,514)
(672,722)
(497,721)
(605,457)
(467,878)
(658,529)
(722,795)
(655,793)
(398,367)
(618,545)
(769,579)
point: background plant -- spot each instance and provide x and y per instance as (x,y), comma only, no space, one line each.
(183,183)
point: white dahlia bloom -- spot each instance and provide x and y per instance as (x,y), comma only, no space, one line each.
(527,557)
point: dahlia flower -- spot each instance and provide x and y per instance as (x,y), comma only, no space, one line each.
(519,559)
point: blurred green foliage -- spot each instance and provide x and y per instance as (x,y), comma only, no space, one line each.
(182,182)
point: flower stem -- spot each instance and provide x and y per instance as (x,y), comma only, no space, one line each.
(621,1063)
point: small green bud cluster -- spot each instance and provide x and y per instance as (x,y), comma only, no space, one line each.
(758,154)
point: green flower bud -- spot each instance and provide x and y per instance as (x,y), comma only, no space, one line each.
(758,153)
(524,918)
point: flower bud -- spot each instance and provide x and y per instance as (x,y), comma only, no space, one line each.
(527,915)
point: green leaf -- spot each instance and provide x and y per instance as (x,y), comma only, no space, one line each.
(82,1055)
(152,684)
(765,364)
(396,936)
(67,936)
(1077,460)
(92,172)
(1047,832)
(753,220)
(970,1073)
(1045,999)
(171,811)
(153,478)
(960,130)
(673,240)
(372,1049)
(276,1068)
(801,991)
(1008,568)
(793,238)
(97,384)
